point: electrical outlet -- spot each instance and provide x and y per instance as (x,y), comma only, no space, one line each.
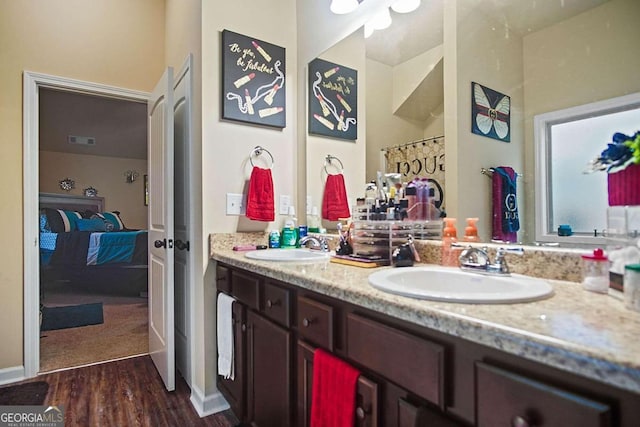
(236,204)
(285,202)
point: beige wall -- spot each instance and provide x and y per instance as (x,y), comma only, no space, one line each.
(383,127)
(349,53)
(116,42)
(106,174)
(591,57)
(226,145)
(499,68)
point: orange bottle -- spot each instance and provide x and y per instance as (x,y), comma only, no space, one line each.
(449,236)
(471,231)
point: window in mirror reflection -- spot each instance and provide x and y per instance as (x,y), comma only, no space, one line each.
(567,141)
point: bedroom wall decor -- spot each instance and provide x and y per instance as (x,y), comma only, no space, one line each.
(67,184)
(490,113)
(90,192)
(253,80)
(333,100)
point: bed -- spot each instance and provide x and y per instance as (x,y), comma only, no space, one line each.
(82,244)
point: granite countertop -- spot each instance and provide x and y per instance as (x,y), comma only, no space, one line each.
(588,334)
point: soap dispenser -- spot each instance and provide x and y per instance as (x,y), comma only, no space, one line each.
(314,220)
(449,236)
(289,234)
(471,231)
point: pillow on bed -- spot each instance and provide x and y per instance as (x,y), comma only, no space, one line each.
(96,224)
(61,221)
(113,218)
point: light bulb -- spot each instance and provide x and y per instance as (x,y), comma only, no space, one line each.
(381,20)
(405,6)
(368,30)
(341,7)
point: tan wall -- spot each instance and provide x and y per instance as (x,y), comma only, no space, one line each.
(349,53)
(226,145)
(383,127)
(499,68)
(105,174)
(116,42)
(591,57)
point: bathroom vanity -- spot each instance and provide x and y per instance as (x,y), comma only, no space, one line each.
(570,360)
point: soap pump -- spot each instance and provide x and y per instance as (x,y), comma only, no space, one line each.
(289,234)
(471,231)
(449,236)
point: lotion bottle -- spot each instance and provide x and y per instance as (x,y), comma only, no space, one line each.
(449,236)
(471,231)
(289,234)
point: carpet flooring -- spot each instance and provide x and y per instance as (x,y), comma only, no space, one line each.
(124,332)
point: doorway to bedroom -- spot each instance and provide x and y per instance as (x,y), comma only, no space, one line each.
(93,205)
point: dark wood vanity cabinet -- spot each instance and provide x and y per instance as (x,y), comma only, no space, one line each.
(411,376)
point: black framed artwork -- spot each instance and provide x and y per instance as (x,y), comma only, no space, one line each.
(490,113)
(253,80)
(333,100)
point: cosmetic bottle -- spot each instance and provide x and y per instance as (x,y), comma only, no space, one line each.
(289,234)
(449,236)
(412,208)
(471,231)
(313,220)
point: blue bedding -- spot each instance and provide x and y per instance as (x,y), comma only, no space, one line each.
(90,248)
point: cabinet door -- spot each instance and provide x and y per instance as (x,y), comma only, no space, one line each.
(506,398)
(269,372)
(367,409)
(235,390)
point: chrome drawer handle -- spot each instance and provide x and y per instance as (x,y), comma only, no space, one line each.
(306,322)
(244,327)
(518,421)
(271,304)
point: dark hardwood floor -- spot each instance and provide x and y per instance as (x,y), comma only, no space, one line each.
(124,393)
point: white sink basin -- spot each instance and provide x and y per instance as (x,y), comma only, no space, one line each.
(454,285)
(288,255)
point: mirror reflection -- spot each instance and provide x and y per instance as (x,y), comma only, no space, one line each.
(416,93)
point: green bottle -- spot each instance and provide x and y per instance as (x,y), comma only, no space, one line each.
(289,234)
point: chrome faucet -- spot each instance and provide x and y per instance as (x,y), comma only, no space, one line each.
(477,260)
(320,242)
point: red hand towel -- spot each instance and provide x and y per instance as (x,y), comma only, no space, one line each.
(498,203)
(260,205)
(333,399)
(334,200)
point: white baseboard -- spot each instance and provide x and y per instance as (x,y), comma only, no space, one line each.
(207,405)
(11,375)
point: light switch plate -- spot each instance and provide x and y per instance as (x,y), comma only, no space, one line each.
(285,202)
(236,204)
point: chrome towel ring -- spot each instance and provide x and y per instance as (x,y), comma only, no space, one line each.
(256,152)
(329,161)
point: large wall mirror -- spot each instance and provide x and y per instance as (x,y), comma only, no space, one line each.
(415,83)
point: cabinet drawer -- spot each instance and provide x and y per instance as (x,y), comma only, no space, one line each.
(507,399)
(245,288)
(276,304)
(223,279)
(410,415)
(411,362)
(315,322)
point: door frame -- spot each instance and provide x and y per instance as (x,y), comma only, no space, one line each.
(32,82)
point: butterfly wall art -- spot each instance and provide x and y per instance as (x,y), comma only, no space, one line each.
(490,113)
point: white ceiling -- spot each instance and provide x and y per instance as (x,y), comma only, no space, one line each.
(119,126)
(414,33)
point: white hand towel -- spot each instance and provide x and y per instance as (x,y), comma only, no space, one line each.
(225,336)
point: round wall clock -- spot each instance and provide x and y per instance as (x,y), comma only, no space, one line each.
(90,192)
(67,184)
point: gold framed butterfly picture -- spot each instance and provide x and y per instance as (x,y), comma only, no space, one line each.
(490,113)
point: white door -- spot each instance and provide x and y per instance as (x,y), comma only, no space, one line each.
(161,268)
(182,211)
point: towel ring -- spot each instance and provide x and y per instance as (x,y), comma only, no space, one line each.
(328,161)
(257,151)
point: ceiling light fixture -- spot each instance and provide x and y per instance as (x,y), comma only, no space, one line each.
(405,6)
(341,7)
(381,20)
